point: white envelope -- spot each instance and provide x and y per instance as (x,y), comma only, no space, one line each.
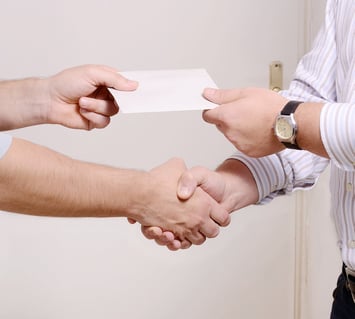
(165,90)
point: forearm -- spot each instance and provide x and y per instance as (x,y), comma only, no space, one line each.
(22,103)
(307,117)
(38,181)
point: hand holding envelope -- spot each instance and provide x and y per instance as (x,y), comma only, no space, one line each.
(165,91)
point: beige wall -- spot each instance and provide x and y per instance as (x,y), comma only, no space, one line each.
(104,268)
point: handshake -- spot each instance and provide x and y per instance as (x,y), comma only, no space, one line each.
(188,206)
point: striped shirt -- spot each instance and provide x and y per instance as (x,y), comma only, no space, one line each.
(327,75)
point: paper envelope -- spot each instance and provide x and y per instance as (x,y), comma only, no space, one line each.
(165,90)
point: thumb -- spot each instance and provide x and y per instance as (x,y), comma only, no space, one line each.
(210,181)
(222,96)
(187,185)
(198,177)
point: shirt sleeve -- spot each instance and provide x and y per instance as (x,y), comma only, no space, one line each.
(320,76)
(284,172)
(5,143)
(315,76)
(338,134)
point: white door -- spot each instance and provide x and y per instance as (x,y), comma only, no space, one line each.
(104,268)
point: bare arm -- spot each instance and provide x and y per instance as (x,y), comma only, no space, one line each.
(77,98)
(36,180)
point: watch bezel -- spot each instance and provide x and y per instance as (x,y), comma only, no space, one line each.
(287,113)
(293,127)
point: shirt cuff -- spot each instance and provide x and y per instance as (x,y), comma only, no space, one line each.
(337,132)
(268,173)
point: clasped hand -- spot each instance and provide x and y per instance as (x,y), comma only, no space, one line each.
(180,212)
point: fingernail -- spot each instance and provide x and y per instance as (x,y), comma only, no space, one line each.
(83,102)
(132,84)
(83,110)
(184,191)
(210,91)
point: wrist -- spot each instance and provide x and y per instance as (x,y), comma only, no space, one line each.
(21,103)
(241,189)
(308,121)
(139,195)
(40,101)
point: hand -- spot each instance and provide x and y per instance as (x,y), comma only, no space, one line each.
(188,221)
(210,182)
(232,185)
(246,117)
(79,97)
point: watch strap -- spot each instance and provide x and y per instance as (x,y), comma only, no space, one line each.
(290,145)
(288,109)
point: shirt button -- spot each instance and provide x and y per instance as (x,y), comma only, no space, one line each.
(351,244)
(349,187)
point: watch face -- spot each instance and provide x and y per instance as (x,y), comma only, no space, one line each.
(283,129)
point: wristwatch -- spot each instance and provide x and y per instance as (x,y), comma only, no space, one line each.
(285,127)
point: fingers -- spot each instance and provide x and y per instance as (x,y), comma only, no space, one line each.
(198,238)
(152,232)
(219,96)
(177,244)
(209,187)
(219,217)
(212,116)
(209,229)
(217,115)
(165,238)
(98,111)
(95,120)
(110,78)
(207,216)
(107,107)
